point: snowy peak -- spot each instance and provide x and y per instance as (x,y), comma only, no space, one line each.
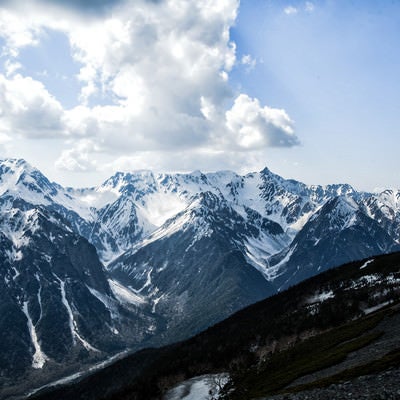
(14,166)
(341,212)
(344,204)
(20,178)
(336,215)
(340,189)
(16,224)
(140,183)
(131,207)
(386,203)
(20,181)
(136,184)
(210,201)
(196,216)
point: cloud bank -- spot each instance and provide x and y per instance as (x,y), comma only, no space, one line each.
(162,69)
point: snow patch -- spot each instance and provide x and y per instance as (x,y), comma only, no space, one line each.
(168,229)
(366,263)
(320,297)
(125,295)
(393,279)
(107,301)
(39,358)
(14,255)
(75,376)
(39,296)
(17,223)
(365,280)
(201,387)
(148,281)
(286,258)
(258,251)
(375,308)
(155,302)
(16,273)
(72,323)
(299,224)
(157,208)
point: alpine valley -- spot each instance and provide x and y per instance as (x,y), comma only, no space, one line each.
(147,259)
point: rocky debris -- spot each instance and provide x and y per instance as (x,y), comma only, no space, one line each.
(389,341)
(383,386)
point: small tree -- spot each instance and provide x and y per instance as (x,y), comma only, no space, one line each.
(217,383)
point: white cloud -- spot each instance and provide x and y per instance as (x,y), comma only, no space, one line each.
(11,67)
(249,61)
(205,160)
(17,32)
(163,69)
(255,127)
(79,158)
(27,108)
(290,10)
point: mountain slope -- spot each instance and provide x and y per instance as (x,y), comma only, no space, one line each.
(56,299)
(339,232)
(192,258)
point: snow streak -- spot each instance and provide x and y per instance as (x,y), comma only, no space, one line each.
(72,323)
(39,358)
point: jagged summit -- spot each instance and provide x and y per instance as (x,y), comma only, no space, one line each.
(16,173)
(13,163)
(138,203)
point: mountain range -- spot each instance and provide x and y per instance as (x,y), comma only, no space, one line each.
(146,259)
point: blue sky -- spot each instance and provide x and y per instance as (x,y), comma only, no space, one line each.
(309,89)
(335,70)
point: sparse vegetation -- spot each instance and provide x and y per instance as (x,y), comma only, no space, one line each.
(392,359)
(306,357)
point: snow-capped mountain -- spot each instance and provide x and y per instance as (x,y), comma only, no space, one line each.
(59,307)
(337,233)
(86,272)
(198,256)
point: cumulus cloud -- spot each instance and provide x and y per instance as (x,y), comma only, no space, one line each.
(11,67)
(27,108)
(248,61)
(79,157)
(87,6)
(254,127)
(17,32)
(163,68)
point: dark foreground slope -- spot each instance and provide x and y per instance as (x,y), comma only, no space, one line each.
(369,371)
(309,328)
